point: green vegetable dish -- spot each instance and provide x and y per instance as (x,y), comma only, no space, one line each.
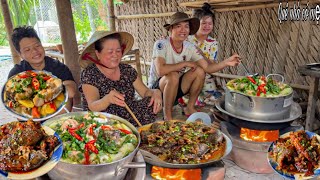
(259,86)
(94,139)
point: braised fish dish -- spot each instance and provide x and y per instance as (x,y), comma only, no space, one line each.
(24,146)
(34,94)
(297,153)
(259,86)
(183,142)
(94,139)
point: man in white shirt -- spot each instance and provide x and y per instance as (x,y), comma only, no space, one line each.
(178,68)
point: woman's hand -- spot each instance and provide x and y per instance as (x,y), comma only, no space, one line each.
(114,97)
(234,60)
(156,100)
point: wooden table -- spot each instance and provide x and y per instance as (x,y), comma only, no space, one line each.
(313,94)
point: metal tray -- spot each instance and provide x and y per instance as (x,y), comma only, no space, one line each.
(295,113)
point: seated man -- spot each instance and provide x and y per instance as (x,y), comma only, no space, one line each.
(178,68)
(30,49)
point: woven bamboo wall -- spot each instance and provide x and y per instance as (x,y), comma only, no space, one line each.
(265,45)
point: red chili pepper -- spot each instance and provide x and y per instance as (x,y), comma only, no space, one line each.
(251,79)
(23,76)
(46,78)
(35,83)
(87,156)
(91,129)
(10,104)
(125,131)
(258,92)
(53,106)
(90,146)
(106,127)
(74,134)
(263,78)
(76,128)
(33,74)
(262,89)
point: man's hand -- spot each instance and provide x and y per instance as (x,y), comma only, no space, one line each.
(190,64)
(234,60)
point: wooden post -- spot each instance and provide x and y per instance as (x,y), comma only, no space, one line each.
(111,16)
(69,41)
(9,28)
(312,101)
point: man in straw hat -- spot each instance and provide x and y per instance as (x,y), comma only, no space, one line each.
(108,85)
(178,68)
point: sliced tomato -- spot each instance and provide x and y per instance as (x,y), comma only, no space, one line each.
(35,113)
(35,83)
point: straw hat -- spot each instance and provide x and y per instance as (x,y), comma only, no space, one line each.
(126,40)
(181,17)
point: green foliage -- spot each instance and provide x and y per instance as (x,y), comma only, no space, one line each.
(20,11)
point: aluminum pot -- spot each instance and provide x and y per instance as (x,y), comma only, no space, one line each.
(255,107)
(115,170)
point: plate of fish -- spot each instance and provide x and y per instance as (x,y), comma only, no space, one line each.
(296,155)
(28,150)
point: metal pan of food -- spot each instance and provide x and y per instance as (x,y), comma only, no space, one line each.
(34,94)
(180,144)
(96,146)
(259,97)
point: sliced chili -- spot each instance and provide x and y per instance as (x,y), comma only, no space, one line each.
(74,134)
(91,129)
(35,83)
(86,156)
(46,78)
(10,104)
(53,106)
(23,76)
(125,131)
(251,79)
(106,127)
(90,146)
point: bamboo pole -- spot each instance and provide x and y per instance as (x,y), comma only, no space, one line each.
(9,28)
(111,16)
(141,16)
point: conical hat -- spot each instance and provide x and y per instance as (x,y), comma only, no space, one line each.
(126,40)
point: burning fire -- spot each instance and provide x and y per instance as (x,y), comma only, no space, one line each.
(175,174)
(258,135)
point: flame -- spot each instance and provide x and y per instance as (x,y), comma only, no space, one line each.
(259,135)
(175,174)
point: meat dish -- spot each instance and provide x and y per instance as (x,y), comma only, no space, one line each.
(259,86)
(182,142)
(297,153)
(24,146)
(34,94)
(94,138)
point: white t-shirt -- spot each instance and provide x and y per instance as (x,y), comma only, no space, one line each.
(163,48)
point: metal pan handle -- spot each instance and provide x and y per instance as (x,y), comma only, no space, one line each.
(249,97)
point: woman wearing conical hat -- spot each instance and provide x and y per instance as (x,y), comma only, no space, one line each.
(107,85)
